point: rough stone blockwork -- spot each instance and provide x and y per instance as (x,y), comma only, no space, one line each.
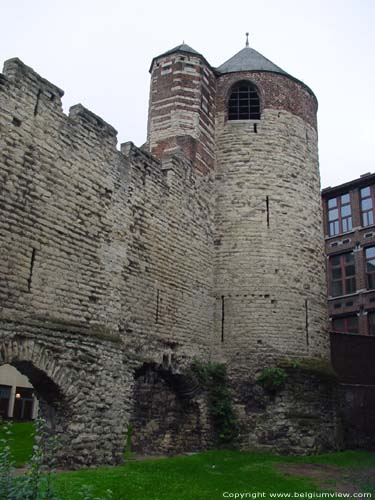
(105,260)
(170,413)
(119,268)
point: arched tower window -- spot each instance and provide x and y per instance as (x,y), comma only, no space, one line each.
(244,102)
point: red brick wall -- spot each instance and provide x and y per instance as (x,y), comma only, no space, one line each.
(276,92)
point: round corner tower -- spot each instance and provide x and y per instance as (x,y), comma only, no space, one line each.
(270,263)
(271,308)
(253,126)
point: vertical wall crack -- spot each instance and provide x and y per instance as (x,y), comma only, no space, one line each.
(37,102)
(157,306)
(307,320)
(222,317)
(30,278)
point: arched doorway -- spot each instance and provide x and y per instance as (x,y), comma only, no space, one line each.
(52,403)
(169,413)
(17,395)
(83,386)
(41,397)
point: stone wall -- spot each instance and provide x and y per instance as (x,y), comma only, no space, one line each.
(119,268)
(299,418)
(83,383)
(99,248)
(170,413)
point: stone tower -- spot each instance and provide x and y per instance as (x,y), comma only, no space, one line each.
(269,278)
(122,267)
(269,258)
(182,106)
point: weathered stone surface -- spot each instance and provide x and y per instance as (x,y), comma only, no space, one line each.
(119,268)
(170,415)
(106,258)
(301,418)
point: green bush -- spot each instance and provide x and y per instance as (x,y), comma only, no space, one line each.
(272,379)
(36,483)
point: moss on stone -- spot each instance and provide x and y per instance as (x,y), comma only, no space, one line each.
(319,367)
(104,333)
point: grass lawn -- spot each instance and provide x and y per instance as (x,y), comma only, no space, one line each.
(209,475)
(206,476)
(21,441)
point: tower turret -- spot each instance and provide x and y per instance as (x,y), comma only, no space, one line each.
(182,106)
(270,265)
(270,275)
(254,127)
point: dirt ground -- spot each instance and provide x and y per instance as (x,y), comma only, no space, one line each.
(340,480)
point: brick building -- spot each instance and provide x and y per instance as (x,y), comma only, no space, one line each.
(349,231)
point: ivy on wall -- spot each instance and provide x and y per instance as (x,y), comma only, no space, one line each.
(213,378)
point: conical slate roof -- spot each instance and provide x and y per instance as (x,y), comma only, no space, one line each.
(249,59)
(181,48)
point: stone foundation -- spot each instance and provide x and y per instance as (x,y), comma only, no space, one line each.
(169,415)
(301,418)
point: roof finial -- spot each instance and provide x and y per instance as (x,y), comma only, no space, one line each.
(247,39)
(183,42)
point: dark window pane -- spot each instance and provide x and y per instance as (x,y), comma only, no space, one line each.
(336,288)
(244,102)
(350,285)
(335,260)
(371,323)
(336,273)
(349,257)
(352,321)
(5,391)
(338,324)
(349,270)
(371,281)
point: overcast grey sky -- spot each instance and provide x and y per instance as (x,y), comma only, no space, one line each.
(99,53)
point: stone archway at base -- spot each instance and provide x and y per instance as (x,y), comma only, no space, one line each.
(83,384)
(168,415)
